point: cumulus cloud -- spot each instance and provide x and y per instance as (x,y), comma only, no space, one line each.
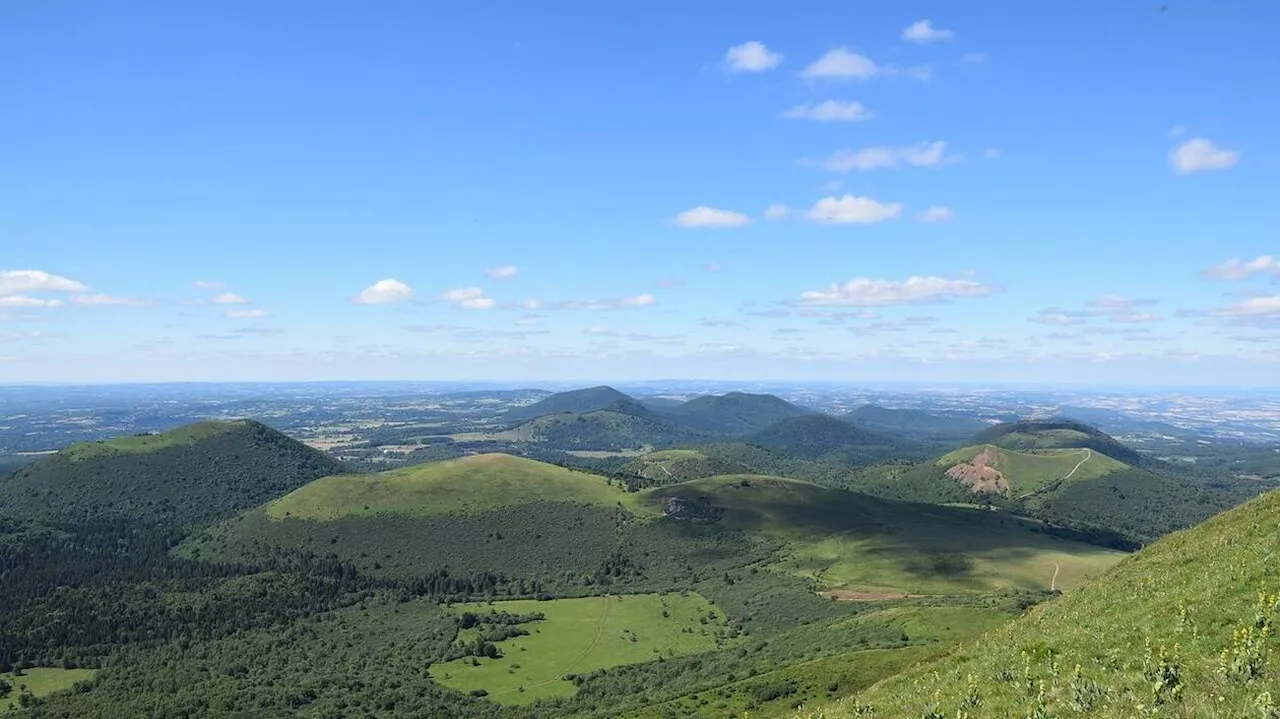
(864,291)
(751,56)
(208,284)
(841,63)
(1238,269)
(502,272)
(852,210)
(776,212)
(1199,155)
(923,32)
(703,216)
(27,301)
(936,213)
(923,154)
(829,111)
(251,314)
(14,282)
(108,301)
(229,298)
(384,292)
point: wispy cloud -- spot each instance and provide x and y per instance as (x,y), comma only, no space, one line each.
(936,213)
(28,301)
(1238,269)
(13,282)
(208,284)
(229,298)
(776,212)
(829,111)
(864,291)
(616,303)
(923,32)
(468,298)
(249,314)
(503,272)
(108,301)
(923,154)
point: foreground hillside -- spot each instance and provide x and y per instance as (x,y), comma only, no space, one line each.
(1185,628)
(189,475)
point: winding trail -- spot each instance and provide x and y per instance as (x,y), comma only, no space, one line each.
(1053,583)
(1088,455)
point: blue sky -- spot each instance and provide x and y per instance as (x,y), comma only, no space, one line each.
(960,191)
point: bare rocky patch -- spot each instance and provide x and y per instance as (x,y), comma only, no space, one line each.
(979,474)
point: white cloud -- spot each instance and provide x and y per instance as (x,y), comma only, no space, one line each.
(531,303)
(776,212)
(26,301)
(841,63)
(923,154)
(1199,155)
(229,298)
(108,301)
(468,298)
(1057,318)
(503,272)
(923,32)
(829,111)
(637,301)
(751,56)
(643,300)
(853,210)
(13,282)
(703,216)
(1253,307)
(1237,269)
(936,213)
(208,284)
(864,291)
(384,292)
(246,314)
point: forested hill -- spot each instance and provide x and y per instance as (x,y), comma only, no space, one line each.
(194,474)
(734,413)
(1057,434)
(578,401)
(1184,628)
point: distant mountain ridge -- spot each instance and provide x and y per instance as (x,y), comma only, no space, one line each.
(578,401)
(734,413)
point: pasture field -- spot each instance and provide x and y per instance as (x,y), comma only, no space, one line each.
(1027,471)
(579,636)
(42,681)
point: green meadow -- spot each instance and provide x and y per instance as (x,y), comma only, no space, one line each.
(579,636)
(40,682)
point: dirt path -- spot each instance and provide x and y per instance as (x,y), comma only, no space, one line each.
(1053,583)
(1088,455)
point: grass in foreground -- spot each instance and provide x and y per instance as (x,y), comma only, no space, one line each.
(40,682)
(1185,628)
(579,636)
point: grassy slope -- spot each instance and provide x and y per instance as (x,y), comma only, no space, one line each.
(1190,596)
(579,636)
(846,540)
(1028,471)
(190,475)
(42,681)
(469,485)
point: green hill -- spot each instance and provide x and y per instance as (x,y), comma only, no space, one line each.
(677,465)
(1185,628)
(469,485)
(623,426)
(822,437)
(1072,484)
(1056,434)
(733,414)
(190,475)
(915,422)
(576,401)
